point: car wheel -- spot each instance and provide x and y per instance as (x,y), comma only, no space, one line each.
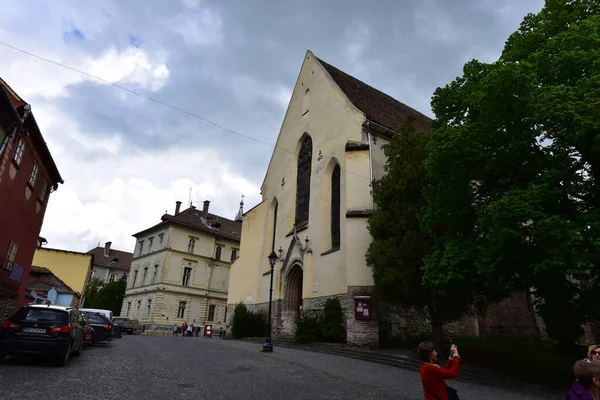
(62,360)
(80,349)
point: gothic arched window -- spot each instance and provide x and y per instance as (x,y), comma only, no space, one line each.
(303,181)
(335,207)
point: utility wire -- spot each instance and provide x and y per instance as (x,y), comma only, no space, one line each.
(161,102)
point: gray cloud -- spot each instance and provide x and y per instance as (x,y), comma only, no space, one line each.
(235,63)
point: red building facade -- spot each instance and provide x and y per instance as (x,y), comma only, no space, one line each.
(28,175)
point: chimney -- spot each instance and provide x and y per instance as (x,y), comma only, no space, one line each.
(205,209)
(107,249)
(177,207)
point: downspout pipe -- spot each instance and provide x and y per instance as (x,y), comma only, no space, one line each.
(370,163)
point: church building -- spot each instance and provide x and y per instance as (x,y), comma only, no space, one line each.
(316,200)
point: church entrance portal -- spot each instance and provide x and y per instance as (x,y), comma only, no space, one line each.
(292,299)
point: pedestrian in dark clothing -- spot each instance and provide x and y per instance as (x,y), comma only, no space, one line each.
(587,382)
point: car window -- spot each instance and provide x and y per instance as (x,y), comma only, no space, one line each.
(120,320)
(97,319)
(42,315)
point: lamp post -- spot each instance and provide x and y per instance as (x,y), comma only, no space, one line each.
(268,347)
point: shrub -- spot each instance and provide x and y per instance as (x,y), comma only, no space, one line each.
(245,323)
(326,325)
(332,321)
(308,328)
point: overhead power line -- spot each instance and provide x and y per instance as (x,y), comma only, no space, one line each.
(160,102)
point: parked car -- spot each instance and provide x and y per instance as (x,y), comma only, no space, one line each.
(43,330)
(87,331)
(127,325)
(107,313)
(102,328)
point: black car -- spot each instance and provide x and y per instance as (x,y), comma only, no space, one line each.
(46,330)
(102,328)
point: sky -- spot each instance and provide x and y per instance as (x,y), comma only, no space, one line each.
(125,159)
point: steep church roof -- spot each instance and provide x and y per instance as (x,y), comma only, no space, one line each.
(376,105)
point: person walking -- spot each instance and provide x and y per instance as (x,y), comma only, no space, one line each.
(433,376)
(175,330)
(587,382)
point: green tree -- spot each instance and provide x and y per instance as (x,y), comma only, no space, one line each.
(106,296)
(515,153)
(400,244)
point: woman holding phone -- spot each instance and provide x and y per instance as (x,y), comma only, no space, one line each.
(433,376)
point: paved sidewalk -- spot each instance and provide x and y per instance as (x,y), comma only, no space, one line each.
(469,374)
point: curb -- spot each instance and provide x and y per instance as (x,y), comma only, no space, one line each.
(466,376)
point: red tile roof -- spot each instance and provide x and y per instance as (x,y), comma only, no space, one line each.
(192,217)
(123,258)
(376,105)
(36,270)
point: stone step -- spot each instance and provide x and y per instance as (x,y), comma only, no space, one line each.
(466,375)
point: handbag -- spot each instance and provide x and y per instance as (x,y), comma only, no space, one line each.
(452,393)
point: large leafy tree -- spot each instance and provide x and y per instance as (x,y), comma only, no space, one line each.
(515,152)
(400,244)
(106,296)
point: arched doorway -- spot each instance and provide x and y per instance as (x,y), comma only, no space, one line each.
(293,291)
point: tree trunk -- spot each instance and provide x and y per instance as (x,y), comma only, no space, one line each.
(483,322)
(438,338)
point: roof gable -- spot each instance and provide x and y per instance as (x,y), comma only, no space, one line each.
(123,258)
(192,218)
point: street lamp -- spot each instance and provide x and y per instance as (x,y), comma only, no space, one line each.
(268,347)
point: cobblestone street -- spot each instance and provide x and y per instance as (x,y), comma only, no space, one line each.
(140,367)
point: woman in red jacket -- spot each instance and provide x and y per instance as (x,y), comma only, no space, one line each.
(433,376)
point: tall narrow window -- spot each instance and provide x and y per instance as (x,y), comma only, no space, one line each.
(144,276)
(225,315)
(111,278)
(128,309)
(191,245)
(10,256)
(19,152)
(274,226)
(134,278)
(187,273)
(43,191)
(161,237)
(303,181)
(149,307)
(335,207)
(141,247)
(218,253)
(155,275)
(150,241)
(181,310)
(211,313)
(34,174)
(233,255)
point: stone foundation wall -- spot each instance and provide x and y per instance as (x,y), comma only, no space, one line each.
(513,316)
(8,304)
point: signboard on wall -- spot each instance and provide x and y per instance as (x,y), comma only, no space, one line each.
(363,309)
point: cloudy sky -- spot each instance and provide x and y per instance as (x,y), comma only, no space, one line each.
(126,160)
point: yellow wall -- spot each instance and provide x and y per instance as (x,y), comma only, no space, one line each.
(73,268)
(331,121)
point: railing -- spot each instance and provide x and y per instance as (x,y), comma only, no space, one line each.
(5,271)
